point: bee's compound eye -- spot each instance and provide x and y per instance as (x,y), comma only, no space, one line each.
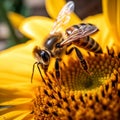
(45,56)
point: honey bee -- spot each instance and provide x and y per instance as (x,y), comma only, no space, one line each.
(58,43)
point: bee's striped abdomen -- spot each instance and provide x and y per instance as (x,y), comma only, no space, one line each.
(89,44)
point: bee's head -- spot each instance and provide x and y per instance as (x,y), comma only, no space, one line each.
(41,55)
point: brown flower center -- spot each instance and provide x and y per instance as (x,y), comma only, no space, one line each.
(79,95)
(101,66)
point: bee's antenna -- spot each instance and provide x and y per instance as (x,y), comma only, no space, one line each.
(34,70)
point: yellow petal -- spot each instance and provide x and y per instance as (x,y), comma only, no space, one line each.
(111,11)
(17,60)
(18,112)
(36,28)
(16,64)
(15,73)
(15,18)
(53,8)
(16,90)
(15,96)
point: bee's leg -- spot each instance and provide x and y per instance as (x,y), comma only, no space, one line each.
(37,63)
(57,68)
(80,56)
(45,68)
(40,72)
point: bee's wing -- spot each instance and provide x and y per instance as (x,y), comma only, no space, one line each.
(83,31)
(63,17)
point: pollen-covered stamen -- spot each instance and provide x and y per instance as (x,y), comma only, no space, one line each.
(100,67)
(98,93)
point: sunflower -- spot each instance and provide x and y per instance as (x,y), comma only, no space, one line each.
(77,95)
(15,19)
